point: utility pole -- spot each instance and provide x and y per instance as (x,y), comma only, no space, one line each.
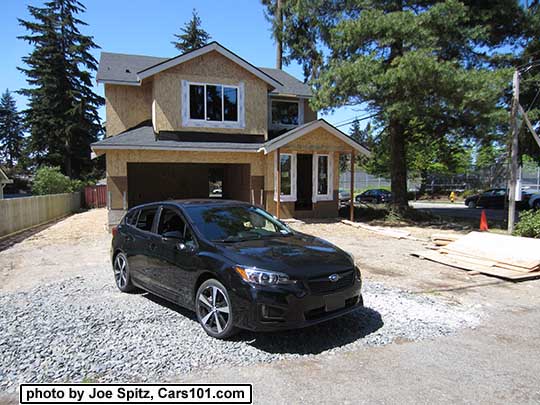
(514,124)
(279,36)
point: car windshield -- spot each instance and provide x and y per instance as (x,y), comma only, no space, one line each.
(235,223)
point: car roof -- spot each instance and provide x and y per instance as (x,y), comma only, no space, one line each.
(194,202)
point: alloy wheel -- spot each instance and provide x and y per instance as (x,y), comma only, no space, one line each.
(120,271)
(214,309)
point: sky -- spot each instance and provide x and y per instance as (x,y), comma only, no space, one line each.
(147,28)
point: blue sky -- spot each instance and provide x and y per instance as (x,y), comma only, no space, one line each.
(147,28)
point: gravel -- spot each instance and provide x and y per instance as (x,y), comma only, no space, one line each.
(84,329)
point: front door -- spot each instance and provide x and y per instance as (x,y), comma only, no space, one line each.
(304,182)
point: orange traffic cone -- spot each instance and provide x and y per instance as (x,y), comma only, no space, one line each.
(483,221)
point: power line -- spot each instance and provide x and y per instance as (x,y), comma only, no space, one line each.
(356,119)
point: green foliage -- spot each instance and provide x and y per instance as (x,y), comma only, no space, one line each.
(62,115)
(11,131)
(529,224)
(50,180)
(193,35)
(424,67)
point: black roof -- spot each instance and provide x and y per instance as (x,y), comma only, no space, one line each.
(122,69)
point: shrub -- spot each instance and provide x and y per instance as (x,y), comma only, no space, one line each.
(49,180)
(468,193)
(529,224)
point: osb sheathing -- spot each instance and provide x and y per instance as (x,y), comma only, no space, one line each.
(309,114)
(117,159)
(319,140)
(209,68)
(127,106)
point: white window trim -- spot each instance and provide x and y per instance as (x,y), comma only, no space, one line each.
(287,126)
(330,195)
(185,113)
(290,197)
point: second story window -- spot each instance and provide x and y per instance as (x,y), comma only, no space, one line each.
(285,113)
(212,102)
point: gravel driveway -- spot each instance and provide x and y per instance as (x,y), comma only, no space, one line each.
(82,328)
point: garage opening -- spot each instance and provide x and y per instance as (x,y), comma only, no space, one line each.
(150,182)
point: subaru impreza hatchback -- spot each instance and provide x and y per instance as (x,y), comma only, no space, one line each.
(234,264)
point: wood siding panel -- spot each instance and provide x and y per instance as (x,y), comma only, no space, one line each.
(209,68)
(127,106)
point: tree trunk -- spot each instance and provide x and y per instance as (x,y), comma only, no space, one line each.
(279,36)
(398,165)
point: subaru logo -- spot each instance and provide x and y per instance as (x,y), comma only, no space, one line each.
(334,277)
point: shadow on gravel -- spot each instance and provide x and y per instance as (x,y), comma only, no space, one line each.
(167,304)
(319,338)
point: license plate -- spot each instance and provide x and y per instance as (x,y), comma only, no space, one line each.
(333,303)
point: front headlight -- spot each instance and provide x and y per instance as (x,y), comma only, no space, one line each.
(256,276)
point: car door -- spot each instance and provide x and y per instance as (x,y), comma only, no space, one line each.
(498,198)
(178,259)
(485,198)
(140,261)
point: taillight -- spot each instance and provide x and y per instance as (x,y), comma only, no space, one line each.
(114,231)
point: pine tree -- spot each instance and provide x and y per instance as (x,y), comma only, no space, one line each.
(193,35)
(11,131)
(62,117)
(423,67)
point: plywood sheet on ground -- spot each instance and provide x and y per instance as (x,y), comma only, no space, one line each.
(476,267)
(512,250)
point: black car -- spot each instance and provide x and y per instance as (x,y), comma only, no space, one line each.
(375,196)
(234,264)
(496,198)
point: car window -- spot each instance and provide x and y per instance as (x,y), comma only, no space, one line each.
(235,223)
(499,192)
(171,221)
(146,219)
(367,193)
(131,217)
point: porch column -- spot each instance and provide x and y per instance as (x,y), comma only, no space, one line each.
(278,181)
(352,187)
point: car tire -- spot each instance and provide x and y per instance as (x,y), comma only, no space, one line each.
(471,204)
(536,204)
(214,310)
(122,275)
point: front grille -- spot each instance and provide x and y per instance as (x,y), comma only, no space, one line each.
(323,285)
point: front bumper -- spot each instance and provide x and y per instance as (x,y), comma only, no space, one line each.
(271,308)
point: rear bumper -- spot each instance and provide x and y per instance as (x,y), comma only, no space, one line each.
(268,309)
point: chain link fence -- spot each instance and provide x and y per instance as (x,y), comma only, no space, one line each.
(495,176)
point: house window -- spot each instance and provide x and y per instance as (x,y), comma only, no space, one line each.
(214,103)
(285,113)
(286,174)
(288,177)
(322,175)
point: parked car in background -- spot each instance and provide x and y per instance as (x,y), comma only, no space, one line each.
(375,196)
(234,264)
(344,197)
(534,201)
(496,198)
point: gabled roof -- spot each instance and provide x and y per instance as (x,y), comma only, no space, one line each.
(123,69)
(304,129)
(290,85)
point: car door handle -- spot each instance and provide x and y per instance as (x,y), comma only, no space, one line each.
(152,246)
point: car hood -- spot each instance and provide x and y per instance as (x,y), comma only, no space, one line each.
(299,256)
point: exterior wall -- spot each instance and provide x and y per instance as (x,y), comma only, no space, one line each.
(318,141)
(117,166)
(309,113)
(127,106)
(22,213)
(209,68)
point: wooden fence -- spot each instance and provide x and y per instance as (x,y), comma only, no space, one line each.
(17,214)
(95,196)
